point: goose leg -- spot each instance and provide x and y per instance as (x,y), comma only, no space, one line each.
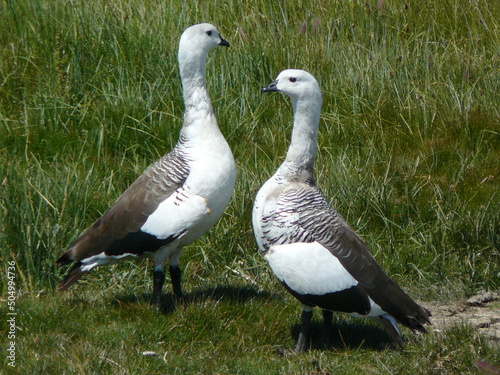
(175,275)
(304,329)
(327,326)
(158,281)
(392,327)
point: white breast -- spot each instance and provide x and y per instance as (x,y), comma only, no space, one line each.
(309,268)
(195,207)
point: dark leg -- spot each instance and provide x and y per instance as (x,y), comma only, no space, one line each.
(393,331)
(327,326)
(175,275)
(158,281)
(304,330)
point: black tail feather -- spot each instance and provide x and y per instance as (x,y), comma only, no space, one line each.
(64,260)
(418,319)
(73,275)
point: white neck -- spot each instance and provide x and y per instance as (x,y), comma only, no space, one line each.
(198,116)
(300,157)
(192,69)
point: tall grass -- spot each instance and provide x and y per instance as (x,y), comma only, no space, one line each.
(408,153)
(91,95)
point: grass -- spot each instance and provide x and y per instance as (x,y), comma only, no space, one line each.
(224,329)
(408,153)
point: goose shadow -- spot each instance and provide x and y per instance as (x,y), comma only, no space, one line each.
(346,334)
(168,302)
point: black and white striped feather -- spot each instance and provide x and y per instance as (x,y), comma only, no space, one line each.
(312,250)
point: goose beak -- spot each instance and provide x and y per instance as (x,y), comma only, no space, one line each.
(272,87)
(223,42)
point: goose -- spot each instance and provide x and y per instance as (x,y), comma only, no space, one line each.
(310,248)
(178,198)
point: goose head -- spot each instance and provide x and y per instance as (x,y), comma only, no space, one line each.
(201,38)
(297,84)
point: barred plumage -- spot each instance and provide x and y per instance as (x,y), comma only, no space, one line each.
(312,250)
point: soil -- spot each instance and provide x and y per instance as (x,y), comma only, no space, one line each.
(481,312)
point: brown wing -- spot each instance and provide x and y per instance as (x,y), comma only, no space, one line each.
(132,208)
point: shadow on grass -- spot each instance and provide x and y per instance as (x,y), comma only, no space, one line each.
(346,334)
(221,292)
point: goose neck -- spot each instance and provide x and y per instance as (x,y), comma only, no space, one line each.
(303,146)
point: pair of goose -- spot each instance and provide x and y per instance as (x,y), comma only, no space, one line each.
(310,248)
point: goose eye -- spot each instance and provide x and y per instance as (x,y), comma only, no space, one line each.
(293,79)
(209,32)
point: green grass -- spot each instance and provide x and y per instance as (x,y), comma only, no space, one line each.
(225,329)
(408,153)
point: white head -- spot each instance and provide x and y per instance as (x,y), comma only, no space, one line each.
(297,84)
(194,45)
(305,93)
(198,39)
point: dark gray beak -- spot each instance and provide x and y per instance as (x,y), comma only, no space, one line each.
(270,88)
(223,42)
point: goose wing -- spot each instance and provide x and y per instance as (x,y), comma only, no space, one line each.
(132,209)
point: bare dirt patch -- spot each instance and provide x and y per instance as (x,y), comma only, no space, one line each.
(481,312)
